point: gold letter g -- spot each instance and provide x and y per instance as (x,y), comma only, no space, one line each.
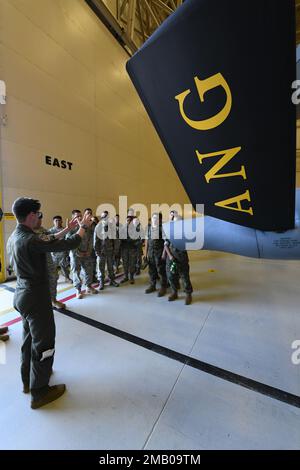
(203,86)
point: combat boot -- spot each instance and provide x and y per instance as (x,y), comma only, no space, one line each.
(150,289)
(91,290)
(58,304)
(4,337)
(114,283)
(101,285)
(173,296)
(188,299)
(79,294)
(162,292)
(54,392)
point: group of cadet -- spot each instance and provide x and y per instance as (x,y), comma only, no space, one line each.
(88,245)
(105,243)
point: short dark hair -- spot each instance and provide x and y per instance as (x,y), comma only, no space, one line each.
(57,217)
(75,210)
(88,209)
(23,206)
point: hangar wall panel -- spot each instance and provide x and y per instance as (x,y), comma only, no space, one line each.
(69,97)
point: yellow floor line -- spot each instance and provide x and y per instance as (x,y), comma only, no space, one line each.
(65,288)
(7,310)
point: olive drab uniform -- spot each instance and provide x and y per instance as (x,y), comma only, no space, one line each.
(51,266)
(82,258)
(32,300)
(157,265)
(61,260)
(139,247)
(104,249)
(117,247)
(179,270)
(128,251)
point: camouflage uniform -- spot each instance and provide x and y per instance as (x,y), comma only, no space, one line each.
(80,261)
(157,265)
(61,259)
(182,269)
(104,249)
(117,247)
(94,225)
(128,252)
(51,266)
(139,247)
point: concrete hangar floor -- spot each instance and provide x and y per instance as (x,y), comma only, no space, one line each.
(126,390)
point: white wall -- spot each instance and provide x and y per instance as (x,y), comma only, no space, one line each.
(69,96)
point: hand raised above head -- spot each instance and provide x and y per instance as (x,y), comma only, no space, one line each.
(86,220)
(70,224)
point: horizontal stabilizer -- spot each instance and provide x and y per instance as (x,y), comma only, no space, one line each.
(216,81)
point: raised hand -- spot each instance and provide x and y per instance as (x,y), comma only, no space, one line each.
(70,224)
(86,220)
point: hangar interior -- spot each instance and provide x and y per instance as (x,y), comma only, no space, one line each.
(69,99)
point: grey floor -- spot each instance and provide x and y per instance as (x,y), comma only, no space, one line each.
(244,318)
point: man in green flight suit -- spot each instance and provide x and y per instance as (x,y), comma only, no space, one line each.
(32,297)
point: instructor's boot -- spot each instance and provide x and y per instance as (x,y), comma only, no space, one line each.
(58,304)
(54,392)
(188,299)
(173,296)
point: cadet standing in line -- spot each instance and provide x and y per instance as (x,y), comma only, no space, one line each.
(92,228)
(83,258)
(178,267)
(104,249)
(117,244)
(139,244)
(154,250)
(60,260)
(32,298)
(128,250)
(95,222)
